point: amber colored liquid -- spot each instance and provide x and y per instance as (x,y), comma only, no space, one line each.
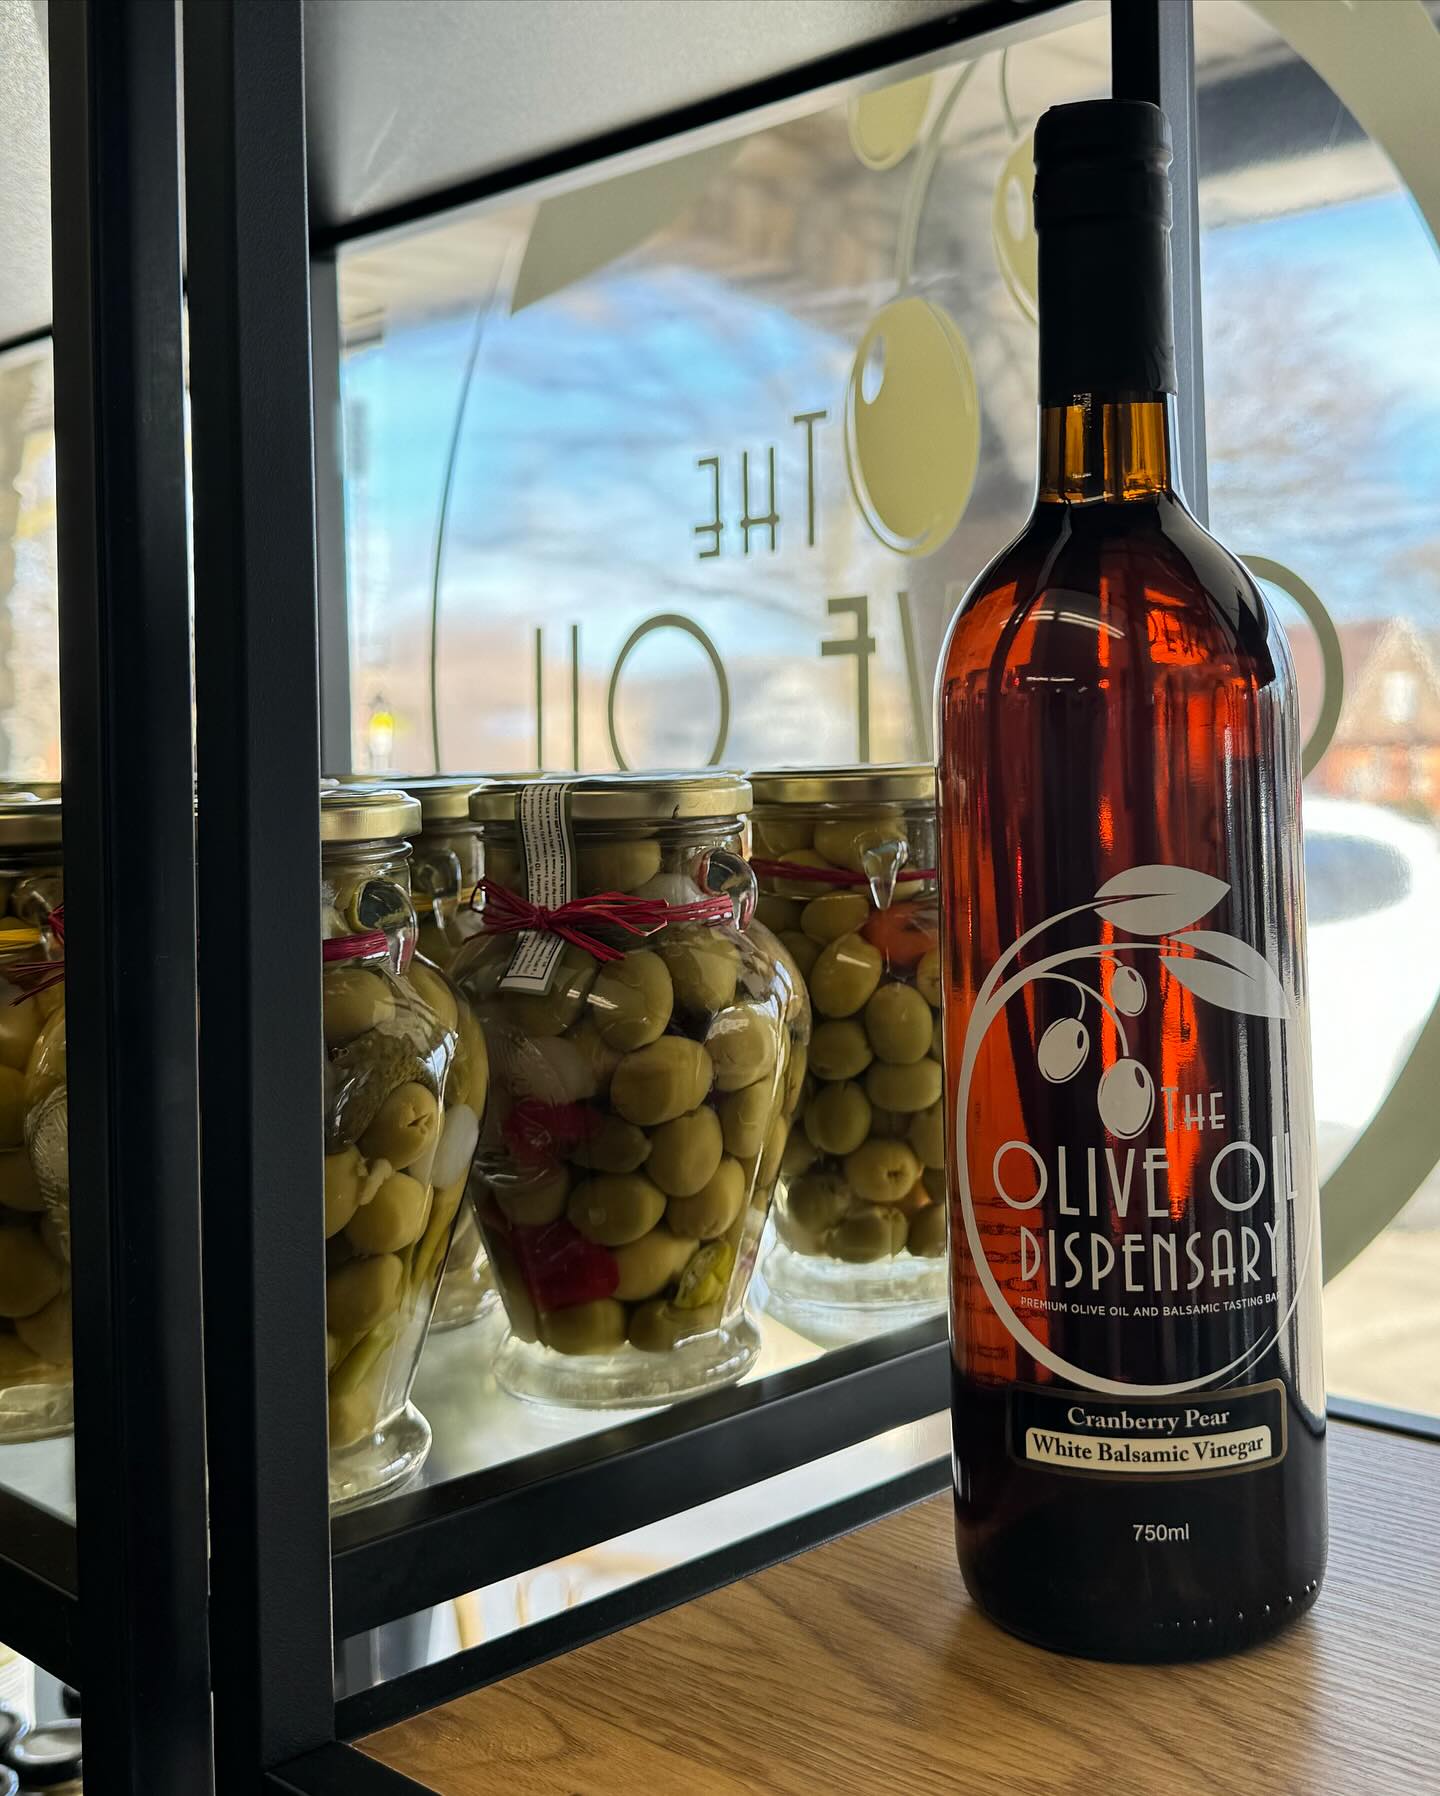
(1115,696)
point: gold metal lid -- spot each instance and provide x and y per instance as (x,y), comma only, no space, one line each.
(626,797)
(29,822)
(367,813)
(444,797)
(910,782)
(17,788)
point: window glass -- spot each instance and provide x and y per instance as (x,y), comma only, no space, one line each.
(29,630)
(1321,295)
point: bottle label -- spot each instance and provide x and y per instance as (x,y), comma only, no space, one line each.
(1138,1203)
(542,811)
(1239,1429)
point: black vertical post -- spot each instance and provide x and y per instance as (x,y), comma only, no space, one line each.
(335,746)
(1152,57)
(125,719)
(259,874)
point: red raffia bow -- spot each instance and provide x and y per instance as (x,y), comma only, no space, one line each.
(355,947)
(36,976)
(506,912)
(829,876)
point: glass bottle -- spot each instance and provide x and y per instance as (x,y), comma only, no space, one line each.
(641,1089)
(845,860)
(1138,1393)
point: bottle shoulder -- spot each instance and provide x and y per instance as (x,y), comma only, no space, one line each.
(1139,581)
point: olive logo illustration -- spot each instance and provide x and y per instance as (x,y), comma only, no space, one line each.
(1126,1098)
(1062,1049)
(1127,991)
(912,426)
(885,125)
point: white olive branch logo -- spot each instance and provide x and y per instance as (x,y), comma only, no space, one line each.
(1158,907)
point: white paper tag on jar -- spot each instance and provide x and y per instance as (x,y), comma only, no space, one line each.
(542,812)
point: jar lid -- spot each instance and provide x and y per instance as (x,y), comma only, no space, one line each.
(444,797)
(893,783)
(366,814)
(627,797)
(29,822)
(30,788)
(47,1756)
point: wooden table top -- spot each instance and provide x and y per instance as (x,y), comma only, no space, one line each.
(861,1668)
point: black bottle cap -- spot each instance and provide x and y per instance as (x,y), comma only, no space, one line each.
(48,1756)
(1102,217)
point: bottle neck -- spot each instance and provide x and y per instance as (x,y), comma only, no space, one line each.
(1111,451)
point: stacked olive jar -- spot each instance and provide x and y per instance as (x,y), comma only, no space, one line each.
(35,1397)
(648,1044)
(845,859)
(445,879)
(404,1092)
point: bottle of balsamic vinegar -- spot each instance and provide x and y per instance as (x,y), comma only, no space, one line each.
(1138,1393)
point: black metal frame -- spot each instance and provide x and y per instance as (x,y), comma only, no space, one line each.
(160,1624)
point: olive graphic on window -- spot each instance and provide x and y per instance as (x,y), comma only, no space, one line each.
(885,125)
(1126,1098)
(1012,226)
(1127,991)
(1062,1049)
(912,426)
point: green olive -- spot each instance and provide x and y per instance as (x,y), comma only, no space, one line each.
(12,1107)
(840,1049)
(363,1292)
(684,1153)
(880,1171)
(332,1351)
(778,837)
(744,1043)
(44,1070)
(659,1327)
(613,1208)
(405,1126)
(19,1365)
(357,1390)
(704,968)
(552,1012)
(799,1154)
(818,1200)
(844,841)
(706,1279)
(469,1081)
(394,1217)
(926,1235)
(432,942)
(347,1178)
(19,1025)
(534,1196)
(774,1152)
(804,889)
(47,1332)
(435,990)
(713,1208)
(889,1122)
(795,1236)
(803,951)
(663,1081)
(906,1088)
(780,915)
(354,999)
(797,1067)
(927,978)
(19,1188)
(837,1118)
(873,1232)
(833,914)
(933,1179)
(844,976)
(608,1144)
(927,1135)
(648,1265)
(631,1001)
(899,1024)
(29,1275)
(744,1119)
(937,1035)
(618,866)
(597,1327)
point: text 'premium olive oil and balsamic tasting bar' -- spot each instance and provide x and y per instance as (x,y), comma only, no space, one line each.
(606,1109)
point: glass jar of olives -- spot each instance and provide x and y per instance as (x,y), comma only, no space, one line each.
(845,859)
(35,1396)
(643,1079)
(399,1135)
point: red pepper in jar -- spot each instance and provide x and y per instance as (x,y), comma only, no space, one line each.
(904,934)
(537,1133)
(560,1267)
